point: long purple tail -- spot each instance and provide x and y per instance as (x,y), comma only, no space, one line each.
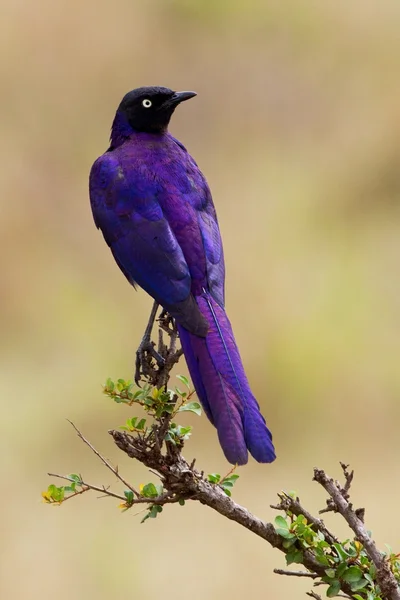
(221,384)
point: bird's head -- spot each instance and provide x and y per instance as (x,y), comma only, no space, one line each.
(150,109)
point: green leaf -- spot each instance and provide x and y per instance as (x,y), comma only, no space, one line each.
(184,380)
(160,489)
(75,477)
(129,496)
(181,501)
(231,479)
(342,553)
(358,585)
(333,589)
(70,489)
(169,438)
(285,533)
(341,569)
(281,522)
(214,477)
(141,424)
(330,573)
(184,431)
(193,407)
(109,385)
(323,560)
(149,491)
(296,556)
(352,574)
(152,512)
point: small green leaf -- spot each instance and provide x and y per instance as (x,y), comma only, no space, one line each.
(358,585)
(214,477)
(109,385)
(193,407)
(285,533)
(75,477)
(149,491)
(231,478)
(323,560)
(281,522)
(152,512)
(296,556)
(184,431)
(352,574)
(330,573)
(181,501)
(129,496)
(184,380)
(341,569)
(333,589)
(141,424)
(342,553)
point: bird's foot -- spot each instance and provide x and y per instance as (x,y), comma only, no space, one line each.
(167,323)
(144,357)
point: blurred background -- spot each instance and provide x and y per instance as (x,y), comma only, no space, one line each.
(297,127)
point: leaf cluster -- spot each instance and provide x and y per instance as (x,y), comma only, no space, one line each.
(346,564)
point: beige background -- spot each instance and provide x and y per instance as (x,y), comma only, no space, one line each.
(297,127)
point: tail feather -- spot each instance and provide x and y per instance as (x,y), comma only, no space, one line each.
(217,372)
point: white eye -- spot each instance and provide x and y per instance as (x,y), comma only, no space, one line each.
(146,103)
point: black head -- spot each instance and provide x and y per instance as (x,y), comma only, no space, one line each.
(150,108)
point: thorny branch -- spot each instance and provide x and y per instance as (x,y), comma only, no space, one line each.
(182,481)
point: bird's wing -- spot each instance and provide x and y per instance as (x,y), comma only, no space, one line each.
(214,253)
(132,222)
(201,199)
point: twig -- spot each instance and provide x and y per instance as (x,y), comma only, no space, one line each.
(295,573)
(87,486)
(167,498)
(314,595)
(104,460)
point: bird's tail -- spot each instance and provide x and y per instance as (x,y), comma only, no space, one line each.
(221,384)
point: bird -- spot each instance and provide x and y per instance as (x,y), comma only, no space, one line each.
(154,207)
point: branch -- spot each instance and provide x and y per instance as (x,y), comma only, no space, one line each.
(345,567)
(340,498)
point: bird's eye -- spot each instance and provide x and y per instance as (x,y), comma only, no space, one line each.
(146,103)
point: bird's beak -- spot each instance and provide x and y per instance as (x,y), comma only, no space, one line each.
(178,97)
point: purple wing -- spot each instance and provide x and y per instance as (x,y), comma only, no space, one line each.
(141,239)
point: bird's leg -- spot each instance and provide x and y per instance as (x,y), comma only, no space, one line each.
(146,350)
(155,364)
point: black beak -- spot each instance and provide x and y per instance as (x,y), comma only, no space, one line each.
(178,97)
